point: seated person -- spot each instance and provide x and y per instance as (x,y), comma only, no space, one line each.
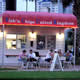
(23,57)
(69,55)
(49,56)
(56,51)
(60,53)
(32,56)
(37,54)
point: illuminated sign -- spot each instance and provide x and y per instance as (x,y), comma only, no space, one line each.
(37,21)
(36,18)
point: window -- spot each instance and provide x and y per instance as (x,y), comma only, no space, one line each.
(48,9)
(51,41)
(44,42)
(40,42)
(21,41)
(31,0)
(4,1)
(14,41)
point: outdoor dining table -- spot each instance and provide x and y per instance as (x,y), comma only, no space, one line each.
(62,58)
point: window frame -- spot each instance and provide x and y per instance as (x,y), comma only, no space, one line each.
(16,40)
(46,41)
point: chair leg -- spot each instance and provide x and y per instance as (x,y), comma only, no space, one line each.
(27,65)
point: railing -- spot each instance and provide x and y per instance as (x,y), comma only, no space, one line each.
(10,55)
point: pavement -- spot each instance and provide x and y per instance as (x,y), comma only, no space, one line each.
(18,68)
(76,68)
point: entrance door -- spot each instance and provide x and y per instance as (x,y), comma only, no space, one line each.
(51,42)
(40,42)
(46,42)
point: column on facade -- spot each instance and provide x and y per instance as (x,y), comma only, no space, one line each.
(60,6)
(60,41)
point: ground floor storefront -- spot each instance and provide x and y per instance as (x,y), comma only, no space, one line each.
(42,40)
(32,31)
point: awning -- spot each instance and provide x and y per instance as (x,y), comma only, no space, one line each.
(38,19)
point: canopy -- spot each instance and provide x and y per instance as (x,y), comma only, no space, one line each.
(38,19)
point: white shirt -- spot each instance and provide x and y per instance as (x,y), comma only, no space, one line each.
(32,55)
(48,56)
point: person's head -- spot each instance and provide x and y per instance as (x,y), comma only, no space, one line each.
(24,51)
(30,51)
(70,51)
(59,51)
(51,50)
(56,51)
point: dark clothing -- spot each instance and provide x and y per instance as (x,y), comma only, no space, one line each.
(31,59)
(48,59)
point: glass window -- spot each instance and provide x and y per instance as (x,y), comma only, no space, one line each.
(40,42)
(21,41)
(46,42)
(31,0)
(51,42)
(11,41)
(14,41)
(4,1)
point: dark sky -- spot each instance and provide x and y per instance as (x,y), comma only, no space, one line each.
(11,5)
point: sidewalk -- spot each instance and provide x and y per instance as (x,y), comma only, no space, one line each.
(76,68)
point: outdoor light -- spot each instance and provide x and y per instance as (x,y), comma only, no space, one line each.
(60,35)
(32,35)
(11,36)
(1,34)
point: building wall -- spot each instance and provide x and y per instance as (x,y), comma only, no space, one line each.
(43,6)
(60,44)
(31,5)
(40,4)
(25,5)
(19,5)
(2,6)
(69,9)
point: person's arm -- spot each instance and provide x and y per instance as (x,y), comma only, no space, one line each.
(71,56)
(52,55)
(28,55)
(64,54)
(33,55)
(20,56)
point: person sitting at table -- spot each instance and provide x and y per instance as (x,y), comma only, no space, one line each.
(32,56)
(69,55)
(60,52)
(23,57)
(49,56)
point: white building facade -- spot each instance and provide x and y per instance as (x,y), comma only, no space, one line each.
(49,6)
(37,31)
(69,9)
(18,37)
(38,6)
(25,5)
(54,6)
(2,6)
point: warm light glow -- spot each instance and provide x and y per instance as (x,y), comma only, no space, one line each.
(42,25)
(32,35)
(11,36)
(60,36)
(1,34)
